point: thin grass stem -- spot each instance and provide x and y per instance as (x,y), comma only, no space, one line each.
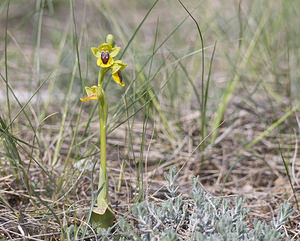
(5,63)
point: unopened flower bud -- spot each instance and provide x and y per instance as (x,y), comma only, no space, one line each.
(110,39)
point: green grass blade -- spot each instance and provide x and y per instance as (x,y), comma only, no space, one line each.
(40,8)
(76,43)
(289,177)
(55,70)
(136,30)
(206,91)
(232,85)
(66,107)
(190,81)
(203,118)
(24,112)
(65,113)
(5,63)
(169,35)
(273,126)
(29,100)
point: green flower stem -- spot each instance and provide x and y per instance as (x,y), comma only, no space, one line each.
(102,199)
(101,76)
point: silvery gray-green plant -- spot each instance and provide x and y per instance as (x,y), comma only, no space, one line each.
(201,217)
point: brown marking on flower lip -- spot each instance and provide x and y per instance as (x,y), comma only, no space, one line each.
(120,76)
(104,56)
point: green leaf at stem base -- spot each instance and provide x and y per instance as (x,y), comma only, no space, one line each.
(103,217)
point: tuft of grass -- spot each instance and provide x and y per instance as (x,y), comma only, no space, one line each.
(242,63)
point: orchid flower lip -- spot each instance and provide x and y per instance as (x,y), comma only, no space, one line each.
(105,56)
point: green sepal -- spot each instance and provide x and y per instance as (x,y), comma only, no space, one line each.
(114,51)
(96,52)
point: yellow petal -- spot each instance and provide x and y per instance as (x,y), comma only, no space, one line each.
(90,97)
(107,65)
(117,79)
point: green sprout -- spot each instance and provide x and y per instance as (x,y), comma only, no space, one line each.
(103,214)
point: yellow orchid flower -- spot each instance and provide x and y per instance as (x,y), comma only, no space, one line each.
(105,54)
(116,71)
(93,93)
